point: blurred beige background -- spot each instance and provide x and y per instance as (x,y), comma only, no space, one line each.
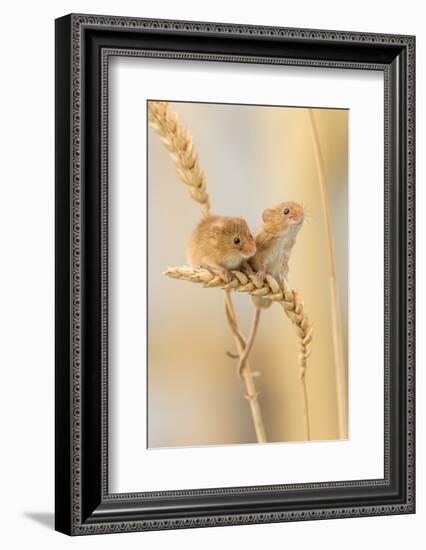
(254,157)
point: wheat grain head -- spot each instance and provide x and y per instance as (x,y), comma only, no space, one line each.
(178,142)
(277,291)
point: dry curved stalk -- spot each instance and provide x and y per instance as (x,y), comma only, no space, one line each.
(242,364)
(276,291)
(342,413)
(178,141)
(246,374)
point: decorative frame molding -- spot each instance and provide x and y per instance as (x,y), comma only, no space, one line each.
(84,43)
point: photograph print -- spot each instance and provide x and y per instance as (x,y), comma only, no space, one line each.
(249,203)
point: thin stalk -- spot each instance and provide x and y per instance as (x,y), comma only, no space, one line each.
(249,344)
(306,410)
(247,375)
(335,311)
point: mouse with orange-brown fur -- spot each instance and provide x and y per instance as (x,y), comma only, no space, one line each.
(274,241)
(222,244)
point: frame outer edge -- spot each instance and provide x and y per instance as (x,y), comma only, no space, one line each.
(63,496)
(77,22)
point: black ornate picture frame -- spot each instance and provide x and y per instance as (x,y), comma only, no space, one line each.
(84,43)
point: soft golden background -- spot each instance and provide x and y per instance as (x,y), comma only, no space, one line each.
(254,157)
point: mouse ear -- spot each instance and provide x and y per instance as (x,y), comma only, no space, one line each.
(217,230)
(268,214)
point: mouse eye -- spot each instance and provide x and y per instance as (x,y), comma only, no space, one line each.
(237,240)
(286,211)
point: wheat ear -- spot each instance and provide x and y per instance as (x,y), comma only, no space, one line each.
(276,291)
(178,141)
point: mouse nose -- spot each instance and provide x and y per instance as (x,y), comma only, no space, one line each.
(250,250)
(300,216)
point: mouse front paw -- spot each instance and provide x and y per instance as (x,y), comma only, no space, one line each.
(225,274)
(261,274)
(246,268)
(221,272)
(284,271)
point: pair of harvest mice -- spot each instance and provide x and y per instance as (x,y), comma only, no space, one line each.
(223,244)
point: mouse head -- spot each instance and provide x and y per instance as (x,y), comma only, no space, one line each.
(233,238)
(286,216)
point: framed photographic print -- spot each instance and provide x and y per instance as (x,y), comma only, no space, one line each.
(234,274)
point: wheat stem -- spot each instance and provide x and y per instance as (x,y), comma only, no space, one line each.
(335,311)
(247,375)
(242,365)
(306,409)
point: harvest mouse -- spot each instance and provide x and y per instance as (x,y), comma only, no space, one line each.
(222,244)
(274,242)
